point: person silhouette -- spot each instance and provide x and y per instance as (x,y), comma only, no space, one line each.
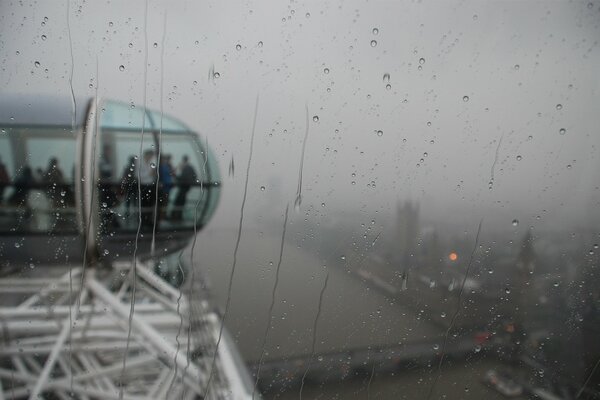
(165,183)
(186,178)
(147,177)
(4,180)
(54,179)
(22,184)
(129,185)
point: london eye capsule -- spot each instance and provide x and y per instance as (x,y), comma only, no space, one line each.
(101,182)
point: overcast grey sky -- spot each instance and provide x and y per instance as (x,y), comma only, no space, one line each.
(515,60)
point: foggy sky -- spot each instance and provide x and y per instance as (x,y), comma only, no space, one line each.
(514,60)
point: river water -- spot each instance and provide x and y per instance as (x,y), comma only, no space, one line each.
(352,316)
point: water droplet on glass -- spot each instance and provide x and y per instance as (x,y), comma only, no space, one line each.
(515,222)
(238,47)
(17,245)
(507,290)
(37,64)
(43,37)
(155,45)
(307,15)
(298,202)
(380,133)
(519,158)
(152,165)
(260,44)
(388,86)
(516,67)
(262,188)
(373,43)
(559,106)
(562,131)
(326,71)
(216,75)
(386,77)
(465,98)
(316,118)
(121,68)
(436,346)
(375,31)
(421,61)
(231,167)
(343,257)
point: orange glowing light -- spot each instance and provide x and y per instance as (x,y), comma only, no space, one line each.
(453,256)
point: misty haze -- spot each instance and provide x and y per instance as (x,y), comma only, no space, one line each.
(318,200)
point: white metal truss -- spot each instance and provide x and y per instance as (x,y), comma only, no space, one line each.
(75,336)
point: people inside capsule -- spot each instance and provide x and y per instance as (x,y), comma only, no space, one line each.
(186,178)
(148,188)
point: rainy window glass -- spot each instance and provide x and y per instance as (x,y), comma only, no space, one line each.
(300,200)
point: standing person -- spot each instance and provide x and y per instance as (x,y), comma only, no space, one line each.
(55,179)
(165,184)
(23,183)
(147,176)
(4,180)
(187,177)
(38,176)
(129,185)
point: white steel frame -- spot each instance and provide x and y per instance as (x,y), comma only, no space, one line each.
(70,340)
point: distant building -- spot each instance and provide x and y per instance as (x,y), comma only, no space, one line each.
(525,298)
(408,232)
